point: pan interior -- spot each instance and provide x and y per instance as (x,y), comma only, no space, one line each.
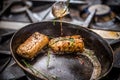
(66,67)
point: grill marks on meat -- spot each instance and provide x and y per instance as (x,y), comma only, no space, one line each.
(30,48)
(67,44)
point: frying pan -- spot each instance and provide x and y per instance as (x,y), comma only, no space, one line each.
(65,67)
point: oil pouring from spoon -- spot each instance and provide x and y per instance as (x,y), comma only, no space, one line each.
(59,10)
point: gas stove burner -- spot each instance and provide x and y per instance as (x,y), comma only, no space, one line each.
(21,7)
(100,9)
(103,13)
(105,17)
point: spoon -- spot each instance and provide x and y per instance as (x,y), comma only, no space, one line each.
(57,10)
(53,11)
(60,8)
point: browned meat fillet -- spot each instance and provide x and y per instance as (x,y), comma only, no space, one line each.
(67,44)
(30,48)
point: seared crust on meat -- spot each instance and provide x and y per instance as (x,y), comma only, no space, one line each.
(67,44)
(30,48)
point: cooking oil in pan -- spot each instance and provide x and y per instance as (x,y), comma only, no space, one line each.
(96,64)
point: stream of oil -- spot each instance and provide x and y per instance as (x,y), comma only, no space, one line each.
(61,26)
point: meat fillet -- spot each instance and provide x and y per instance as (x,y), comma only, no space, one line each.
(67,44)
(30,48)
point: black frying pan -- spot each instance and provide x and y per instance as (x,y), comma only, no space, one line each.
(65,67)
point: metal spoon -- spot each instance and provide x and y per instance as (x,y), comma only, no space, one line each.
(57,7)
(60,9)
